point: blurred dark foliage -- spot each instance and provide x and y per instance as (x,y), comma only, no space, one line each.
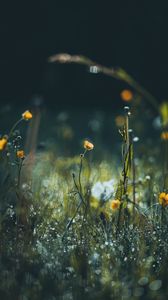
(130,34)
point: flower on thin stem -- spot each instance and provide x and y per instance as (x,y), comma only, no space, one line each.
(27,115)
(3,143)
(20,154)
(88,145)
(163,199)
(115,204)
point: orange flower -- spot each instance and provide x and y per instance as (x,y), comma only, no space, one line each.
(3,143)
(164,135)
(163,199)
(27,115)
(126,95)
(20,154)
(115,204)
(88,145)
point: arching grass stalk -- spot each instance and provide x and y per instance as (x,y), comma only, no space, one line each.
(127,162)
(117,73)
(164,137)
(165,164)
(80,169)
(71,221)
(20,165)
(133,170)
(14,127)
(78,192)
(126,150)
(25,116)
(82,201)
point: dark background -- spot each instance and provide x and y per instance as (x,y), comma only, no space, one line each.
(130,34)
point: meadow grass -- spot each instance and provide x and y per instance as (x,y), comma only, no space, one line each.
(91,225)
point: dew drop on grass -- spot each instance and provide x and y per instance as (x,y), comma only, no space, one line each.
(121,248)
(155,285)
(135,139)
(138,292)
(98,272)
(143,281)
(96,255)
(93,69)
(70,269)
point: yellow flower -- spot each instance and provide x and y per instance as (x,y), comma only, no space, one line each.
(88,146)
(162,195)
(164,135)
(163,199)
(20,154)
(126,95)
(27,115)
(3,143)
(115,204)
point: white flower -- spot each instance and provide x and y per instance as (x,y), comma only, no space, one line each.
(46,183)
(103,190)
